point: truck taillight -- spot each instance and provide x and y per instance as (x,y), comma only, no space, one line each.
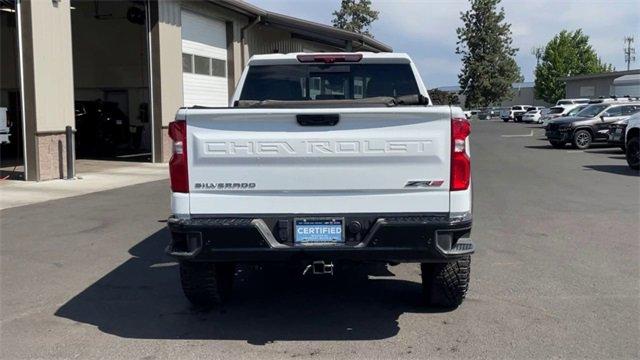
(460,162)
(178,164)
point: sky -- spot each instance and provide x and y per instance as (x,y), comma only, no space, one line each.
(426,29)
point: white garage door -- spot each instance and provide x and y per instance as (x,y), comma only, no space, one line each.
(204,61)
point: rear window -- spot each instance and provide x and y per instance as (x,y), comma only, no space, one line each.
(556,110)
(565,102)
(328,82)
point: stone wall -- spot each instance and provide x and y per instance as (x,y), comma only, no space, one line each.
(51,155)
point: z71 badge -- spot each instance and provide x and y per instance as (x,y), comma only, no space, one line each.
(225,186)
(427,183)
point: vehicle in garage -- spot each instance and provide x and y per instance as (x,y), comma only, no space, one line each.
(291,173)
(589,125)
(4,129)
(111,80)
(632,139)
(103,129)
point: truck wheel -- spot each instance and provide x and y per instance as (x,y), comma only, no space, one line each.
(445,285)
(557,144)
(505,120)
(633,152)
(206,284)
(582,139)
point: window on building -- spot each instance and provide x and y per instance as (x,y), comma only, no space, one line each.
(218,67)
(187,63)
(202,65)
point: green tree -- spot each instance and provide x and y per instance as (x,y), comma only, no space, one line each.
(355,15)
(488,65)
(567,54)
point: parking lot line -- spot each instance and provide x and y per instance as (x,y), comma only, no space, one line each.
(528,135)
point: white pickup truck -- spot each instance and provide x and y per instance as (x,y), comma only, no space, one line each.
(322,159)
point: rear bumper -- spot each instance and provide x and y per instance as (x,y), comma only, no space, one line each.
(391,238)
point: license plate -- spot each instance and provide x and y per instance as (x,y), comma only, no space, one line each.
(319,231)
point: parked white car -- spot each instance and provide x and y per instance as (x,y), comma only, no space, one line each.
(514,113)
(469,113)
(559,111)
(532,116)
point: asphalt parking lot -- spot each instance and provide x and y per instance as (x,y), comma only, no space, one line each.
(556,275)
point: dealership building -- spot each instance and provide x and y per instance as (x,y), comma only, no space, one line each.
(117,71)
(614,83)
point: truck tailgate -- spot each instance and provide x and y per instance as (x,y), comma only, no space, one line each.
(262,161)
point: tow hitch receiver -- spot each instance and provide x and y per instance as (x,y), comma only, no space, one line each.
(319,267)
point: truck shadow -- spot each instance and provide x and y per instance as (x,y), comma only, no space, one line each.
(613,169)
(142,299)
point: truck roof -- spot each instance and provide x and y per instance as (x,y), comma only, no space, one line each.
(367,57)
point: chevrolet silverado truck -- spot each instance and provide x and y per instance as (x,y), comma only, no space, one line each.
(321,160)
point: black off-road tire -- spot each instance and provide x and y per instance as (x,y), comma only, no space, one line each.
(206,284)
(505,120)
(556,144)
(582,139)
(633,152)
(446,285)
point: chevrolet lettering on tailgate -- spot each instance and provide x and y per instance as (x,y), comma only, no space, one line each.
(319,147)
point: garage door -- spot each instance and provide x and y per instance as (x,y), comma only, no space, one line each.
(204,61)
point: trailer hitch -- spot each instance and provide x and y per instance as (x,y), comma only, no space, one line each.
(319,268)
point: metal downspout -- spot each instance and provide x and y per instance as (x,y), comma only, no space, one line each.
(22,95)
